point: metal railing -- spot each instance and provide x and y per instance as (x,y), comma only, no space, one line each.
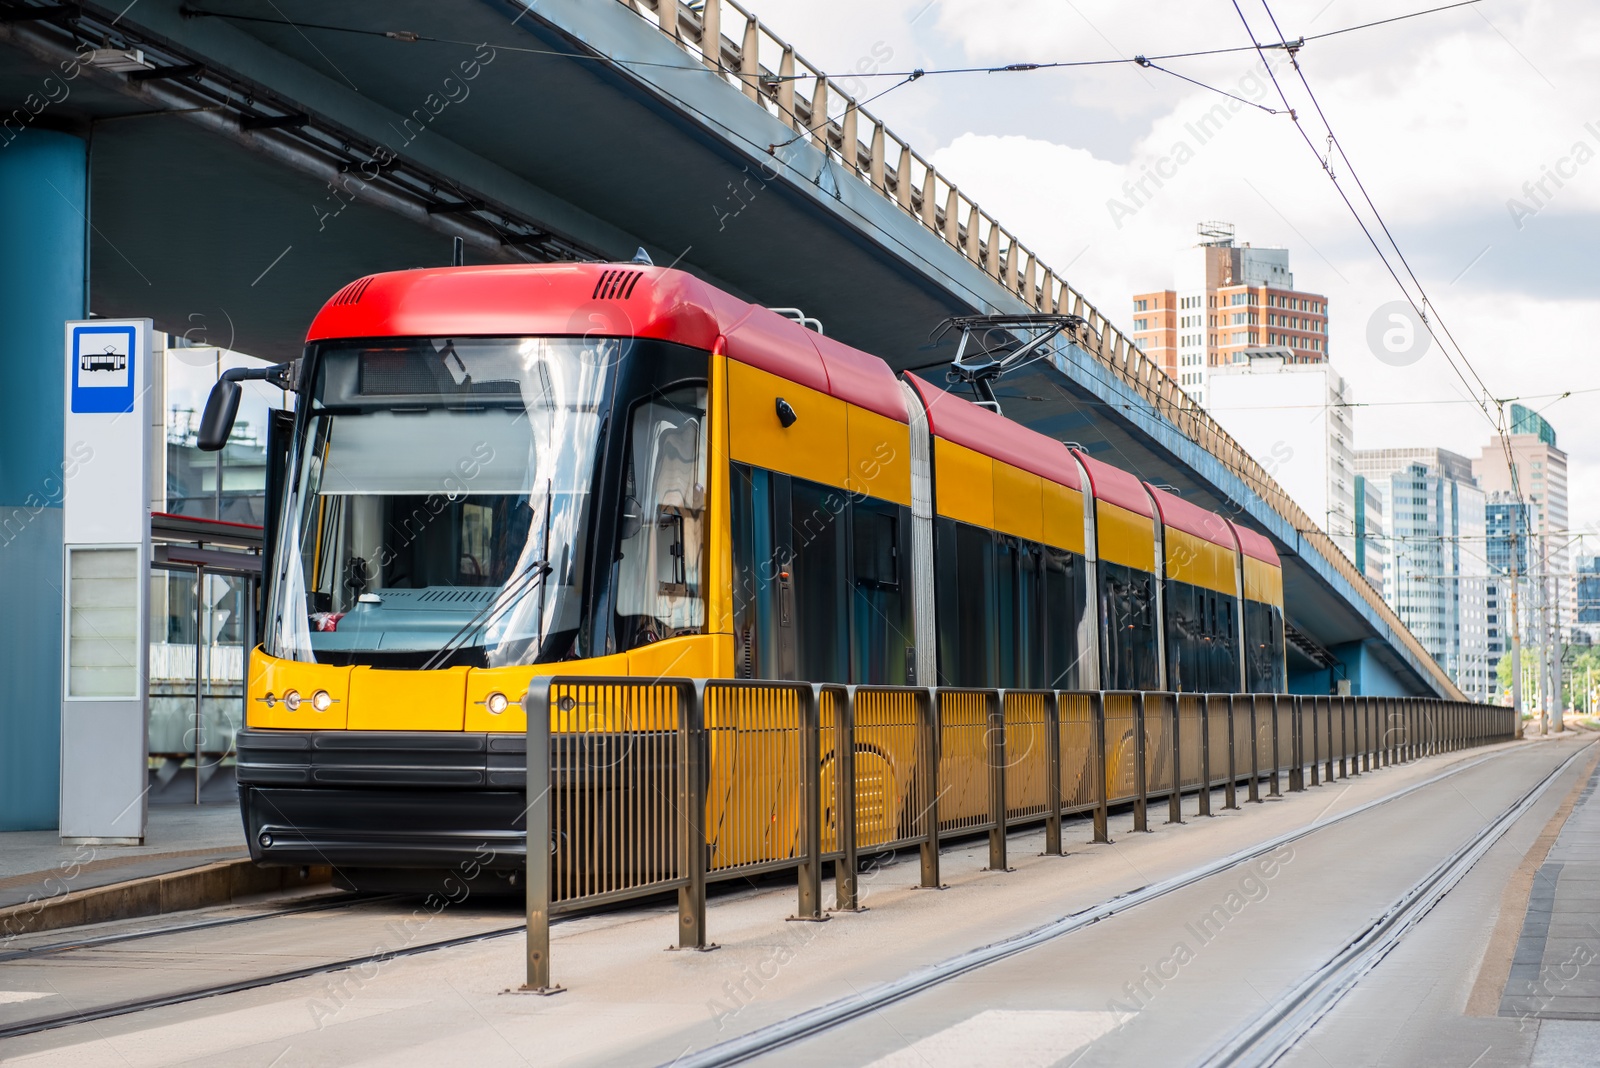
(643,787)
(775,77)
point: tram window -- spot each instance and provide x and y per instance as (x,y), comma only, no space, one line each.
(1127,628)
(876,547)
(1263,635)
(816,569)
(754,589)
(1063,594)
(661,537)
(1034,618)
(880,631)
(964,588)
(1200,640)
(1009,599)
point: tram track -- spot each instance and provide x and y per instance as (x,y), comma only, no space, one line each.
(1312,998)
(832,1015)
(1269,1036)
(115,938)
(121,1007)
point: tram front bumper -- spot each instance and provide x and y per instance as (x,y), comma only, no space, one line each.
(384,799)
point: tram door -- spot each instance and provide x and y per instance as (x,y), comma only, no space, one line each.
(811,635)
(818,583)
(786,537)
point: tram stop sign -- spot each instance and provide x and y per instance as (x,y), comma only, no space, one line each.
(105,503)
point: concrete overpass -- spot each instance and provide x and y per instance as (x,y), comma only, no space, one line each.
(222,167)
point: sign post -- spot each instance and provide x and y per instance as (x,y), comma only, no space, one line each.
(105,704)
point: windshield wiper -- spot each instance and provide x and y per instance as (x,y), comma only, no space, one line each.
(510,594)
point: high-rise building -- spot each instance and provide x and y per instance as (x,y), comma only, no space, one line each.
(1541,478)
(1541,481)
(1372,543)
(1227,299)
(1294,419)
(1588,597)
(1506,532)
(1437,579)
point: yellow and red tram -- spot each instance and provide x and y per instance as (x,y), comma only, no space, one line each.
(619,470)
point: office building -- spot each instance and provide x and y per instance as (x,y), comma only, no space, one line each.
(1225,300)
(1294,419)
(1372,543)
(1506,530)
(1438,577)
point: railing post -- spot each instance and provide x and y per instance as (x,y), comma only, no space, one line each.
(1230,792)
(1205,756)
(1363,743)
(1175,801)
(692,744)
(1344,737)
(1052,730)
(1407,708)
(846,887)
(537,844)
(1255,753)
(1366,734)
(928,722)
(1356,705)
(1386,721)
(809,905)
(1329,767)
(1141,785)
(1296,776)
(1102,821)
(1316,741)
(997,780)
(1277,754)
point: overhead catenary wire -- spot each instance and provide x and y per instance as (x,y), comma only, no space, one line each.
(1497,417)
(412,37)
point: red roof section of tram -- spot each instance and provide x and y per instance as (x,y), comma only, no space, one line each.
(1258,546)
(1115,486)
(958,420)
(1190,518)
(608,300)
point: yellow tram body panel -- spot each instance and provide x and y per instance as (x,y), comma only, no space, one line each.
(1199,562)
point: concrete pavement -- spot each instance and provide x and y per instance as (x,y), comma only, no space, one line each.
(629,1002)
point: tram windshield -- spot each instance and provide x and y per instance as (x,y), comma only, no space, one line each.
(440,503)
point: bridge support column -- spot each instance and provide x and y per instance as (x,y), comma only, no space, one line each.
(43,270)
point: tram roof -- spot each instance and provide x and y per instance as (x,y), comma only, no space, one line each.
(958,420)
(1255,545)
(1115,486)
(605,300)
(1179,514)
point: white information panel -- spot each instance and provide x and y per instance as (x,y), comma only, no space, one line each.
(105,705)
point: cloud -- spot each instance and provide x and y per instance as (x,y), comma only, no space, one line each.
(1456,122)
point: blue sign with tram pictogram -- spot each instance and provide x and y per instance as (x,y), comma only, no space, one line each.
(102,368)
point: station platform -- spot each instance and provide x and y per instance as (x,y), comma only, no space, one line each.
(193,856)
(37,864)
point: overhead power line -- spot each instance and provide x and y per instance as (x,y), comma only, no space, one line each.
(1420,302)
(412,37)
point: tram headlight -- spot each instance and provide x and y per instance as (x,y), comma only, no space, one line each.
(291,700)
(496,703)
(322,700)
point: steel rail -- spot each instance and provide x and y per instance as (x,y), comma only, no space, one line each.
(826,1017)
(1263,1040)
(121,1008)
(51,948)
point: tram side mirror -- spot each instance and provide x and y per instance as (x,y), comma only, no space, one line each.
(222,407)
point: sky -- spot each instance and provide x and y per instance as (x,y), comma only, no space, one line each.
(1450,121)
